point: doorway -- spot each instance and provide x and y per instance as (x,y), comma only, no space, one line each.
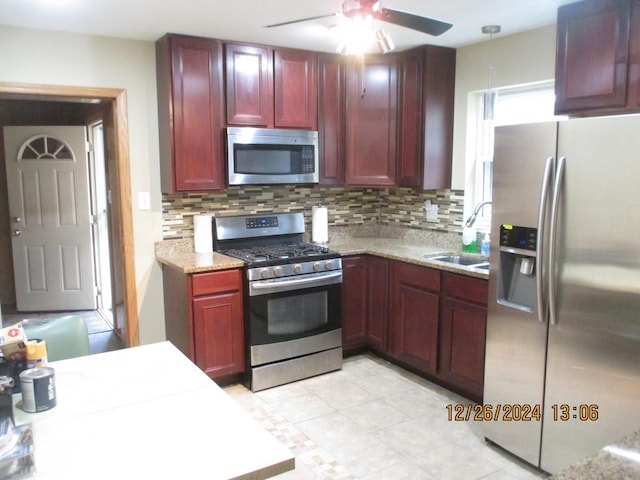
(101,109)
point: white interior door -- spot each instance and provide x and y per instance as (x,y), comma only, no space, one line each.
(48,189)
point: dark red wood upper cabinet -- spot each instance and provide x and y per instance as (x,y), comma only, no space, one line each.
(190,112)
(249,85)
(410,118)
(592,55)
(331,98)
(438,95)
(296,89)
(371,121)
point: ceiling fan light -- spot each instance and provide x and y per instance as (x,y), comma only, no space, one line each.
(384,41)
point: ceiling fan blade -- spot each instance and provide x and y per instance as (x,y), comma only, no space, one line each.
(414,22)
(300,20)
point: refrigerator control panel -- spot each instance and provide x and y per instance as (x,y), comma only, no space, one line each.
(518,237)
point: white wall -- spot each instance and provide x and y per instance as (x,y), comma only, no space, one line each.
(40,57)
(516,59)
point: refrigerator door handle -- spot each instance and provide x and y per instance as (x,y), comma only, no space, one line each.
(557,187)
(542,210)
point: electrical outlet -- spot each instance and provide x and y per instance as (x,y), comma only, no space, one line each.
(430,211)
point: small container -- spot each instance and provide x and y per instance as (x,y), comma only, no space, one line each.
(469,240)
(38,389)
(36,353)
(485,246)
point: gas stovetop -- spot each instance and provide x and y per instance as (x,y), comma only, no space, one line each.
(280,254)
(272,245)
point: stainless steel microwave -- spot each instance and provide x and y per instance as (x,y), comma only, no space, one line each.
(271,156)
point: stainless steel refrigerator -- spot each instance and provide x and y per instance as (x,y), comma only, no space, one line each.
(563,332)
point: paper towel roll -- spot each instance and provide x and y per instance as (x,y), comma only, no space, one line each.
(202,235)
(319,224)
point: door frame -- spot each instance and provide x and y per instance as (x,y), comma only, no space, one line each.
(122,189)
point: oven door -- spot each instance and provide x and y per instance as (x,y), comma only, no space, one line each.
(282,310)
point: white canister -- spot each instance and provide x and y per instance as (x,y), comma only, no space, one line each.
(319,224)
(202,234)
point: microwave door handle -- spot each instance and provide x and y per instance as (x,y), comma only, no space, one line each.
(316,280)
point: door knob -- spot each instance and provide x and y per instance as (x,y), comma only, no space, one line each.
(17,219)
(16,233)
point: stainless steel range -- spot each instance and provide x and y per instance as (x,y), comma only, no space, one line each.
(293,308)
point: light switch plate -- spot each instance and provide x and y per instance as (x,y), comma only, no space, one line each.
(144,201)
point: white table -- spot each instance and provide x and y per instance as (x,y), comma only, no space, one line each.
(144,413)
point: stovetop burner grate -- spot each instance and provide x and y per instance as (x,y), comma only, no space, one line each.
(282,253)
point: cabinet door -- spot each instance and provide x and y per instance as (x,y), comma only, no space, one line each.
(413,321)
(438,94)
(410,119)
(249,86)
(463,322)
(371,121)
(462,346)
(592,55)
(377,304)
(296,89)
(331,97)
(190,102)
(354,302)
(219,333)
(218,322)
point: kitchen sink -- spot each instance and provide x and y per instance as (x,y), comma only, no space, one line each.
(462,260)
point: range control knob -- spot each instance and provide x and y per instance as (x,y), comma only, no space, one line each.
(264,273)
(297,268)
(328,264)
(277,271)
(316,266)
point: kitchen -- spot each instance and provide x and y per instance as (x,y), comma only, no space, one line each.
(139,80)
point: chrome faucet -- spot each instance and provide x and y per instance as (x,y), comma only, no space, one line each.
(472,219)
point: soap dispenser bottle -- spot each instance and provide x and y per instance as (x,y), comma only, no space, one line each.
(485,245)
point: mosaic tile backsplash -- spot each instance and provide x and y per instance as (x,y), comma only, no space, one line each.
(397,207)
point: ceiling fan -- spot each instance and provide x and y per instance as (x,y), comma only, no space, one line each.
(374,9)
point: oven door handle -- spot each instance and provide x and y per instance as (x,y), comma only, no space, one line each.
(265,287)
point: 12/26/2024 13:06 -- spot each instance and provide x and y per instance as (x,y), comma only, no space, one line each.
(515,412)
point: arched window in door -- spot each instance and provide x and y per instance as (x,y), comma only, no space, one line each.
(42,147)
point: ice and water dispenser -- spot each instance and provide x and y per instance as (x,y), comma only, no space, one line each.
(518,267)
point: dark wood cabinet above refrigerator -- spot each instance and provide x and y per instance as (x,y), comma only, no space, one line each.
(598,57)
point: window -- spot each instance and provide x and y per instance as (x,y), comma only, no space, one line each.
(511,105)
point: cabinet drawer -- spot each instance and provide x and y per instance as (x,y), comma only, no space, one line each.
(423,277)
(216,282)
(467,288)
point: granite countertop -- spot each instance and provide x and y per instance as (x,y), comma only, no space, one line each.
(620,459)
(405,250)
(179,254)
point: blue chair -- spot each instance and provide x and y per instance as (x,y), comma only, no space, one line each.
(66,336)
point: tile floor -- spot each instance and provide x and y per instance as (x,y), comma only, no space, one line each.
(373,420)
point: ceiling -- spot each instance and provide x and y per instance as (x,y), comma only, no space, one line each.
(244,20)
